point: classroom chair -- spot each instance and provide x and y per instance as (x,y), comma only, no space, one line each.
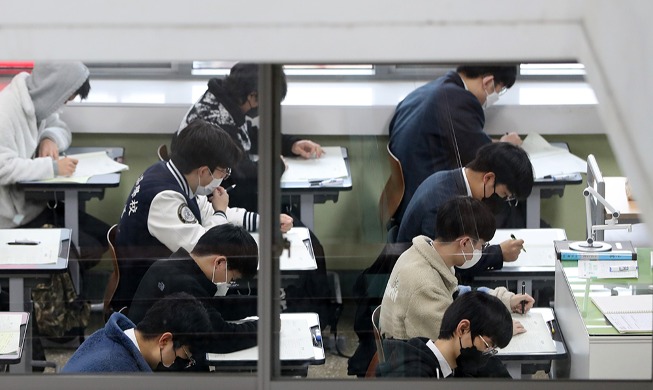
(391,197)
(162,152)
(114,278)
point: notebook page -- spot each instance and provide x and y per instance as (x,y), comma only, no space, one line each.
(624,304)
(536,339)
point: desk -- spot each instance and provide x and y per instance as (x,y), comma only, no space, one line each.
(309,194)
(22,277)
(545,188)
(292,360)
(72,192)
(15,357)
(525,361)
(596,349)
(615,194)
(537,263)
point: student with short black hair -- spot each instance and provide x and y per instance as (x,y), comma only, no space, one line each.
(169,208)
(440,125)
(500,173)
(170,337)
(423,284)
(223,255)
(472,329)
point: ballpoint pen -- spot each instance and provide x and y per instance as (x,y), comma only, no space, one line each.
(514,238)
(231,187)
(550,324)
(523,292)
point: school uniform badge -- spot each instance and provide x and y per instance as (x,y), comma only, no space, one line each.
(185,215)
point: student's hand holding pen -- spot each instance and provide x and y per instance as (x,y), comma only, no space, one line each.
(511,137)
(220,199)
(511,249)
(286,222)
(67,166)
(516,303)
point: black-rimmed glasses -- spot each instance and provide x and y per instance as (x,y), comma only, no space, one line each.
(191,360)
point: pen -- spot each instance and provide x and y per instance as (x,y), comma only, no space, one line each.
(23,243)
(523,292)
(230,188)
(514,238)
(550,324)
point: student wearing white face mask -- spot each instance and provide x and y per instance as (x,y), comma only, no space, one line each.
(440,125)
(168,207)
(423,283)
(224,255)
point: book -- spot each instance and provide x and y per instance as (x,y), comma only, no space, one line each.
(621,250)
(627,313)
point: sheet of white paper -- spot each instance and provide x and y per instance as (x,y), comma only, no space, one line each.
(296,343)
(607,269)
(538,244)
(330,166)
(549,160)
(45,251)
(301,251)
(536,339)
(10,332)
(91,164)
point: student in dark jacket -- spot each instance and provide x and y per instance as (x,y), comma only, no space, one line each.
(224,254)
(473,327)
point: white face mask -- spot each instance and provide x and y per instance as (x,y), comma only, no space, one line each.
(208,189)
(223,287)
(491,98)
(476,256)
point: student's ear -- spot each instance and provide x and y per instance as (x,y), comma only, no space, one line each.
(165,339)
(487,81)
(488,177)
(463,327)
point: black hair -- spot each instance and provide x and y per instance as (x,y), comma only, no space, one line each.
(243,80)
(202,143)
(233,242)
(464,215)
(83,91)
(487,316)
(509,163)
(182,315)
(504,74)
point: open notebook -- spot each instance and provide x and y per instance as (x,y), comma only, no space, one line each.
(627,313)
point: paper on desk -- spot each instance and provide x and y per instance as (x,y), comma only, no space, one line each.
(536,339)
(45,252)
(10,332)
(538,243)
(603,269)
(301,250)
(330,166)
(90,164)
(296,343)
(549,160)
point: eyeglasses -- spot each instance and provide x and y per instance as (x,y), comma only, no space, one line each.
(484,246)
(191,360)
(512,200)
(502,91)
(491,351)
(226,172)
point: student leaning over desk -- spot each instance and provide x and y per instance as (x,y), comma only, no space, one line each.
(224,255)
(423,284)
(168,207)
(473,326)
(31,138)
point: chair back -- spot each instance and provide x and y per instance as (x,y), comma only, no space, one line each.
(393,192)
(378,339)
(114,278)
(162,152)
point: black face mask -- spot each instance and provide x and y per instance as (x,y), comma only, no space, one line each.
(178,365)
(252,113)
(470,361)
(495,203)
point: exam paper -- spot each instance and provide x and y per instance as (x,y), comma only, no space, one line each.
(45,250)
(536,339)
(301,255)
(10,333)
(330,166)
(548,160)
(91,164)
(538,245)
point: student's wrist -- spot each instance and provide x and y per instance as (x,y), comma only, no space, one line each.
(220,213)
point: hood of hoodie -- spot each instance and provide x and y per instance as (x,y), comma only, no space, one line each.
(51,84)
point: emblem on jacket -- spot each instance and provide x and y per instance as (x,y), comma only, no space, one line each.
(161,286)
(185,215)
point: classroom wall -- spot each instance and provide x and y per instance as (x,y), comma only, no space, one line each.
(349,229)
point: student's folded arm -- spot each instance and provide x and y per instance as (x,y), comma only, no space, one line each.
(425,310)
(168,221)
(57,130)
(228,336)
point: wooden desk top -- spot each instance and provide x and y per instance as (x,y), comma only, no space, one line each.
(615,194)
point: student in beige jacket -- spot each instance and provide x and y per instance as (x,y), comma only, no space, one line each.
(422,283)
